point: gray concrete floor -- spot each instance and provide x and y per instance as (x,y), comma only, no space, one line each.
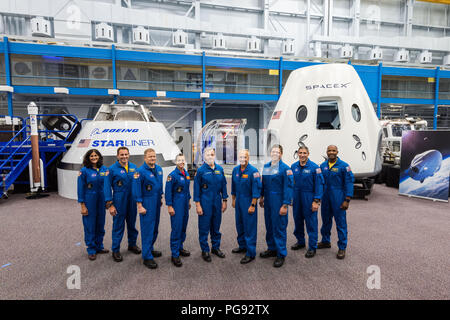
(407,238)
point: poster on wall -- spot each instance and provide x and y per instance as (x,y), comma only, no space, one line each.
(425,164)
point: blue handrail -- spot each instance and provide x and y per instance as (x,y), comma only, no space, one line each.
(57,131)
(10,158)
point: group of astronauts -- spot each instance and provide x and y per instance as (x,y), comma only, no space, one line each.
(126,190)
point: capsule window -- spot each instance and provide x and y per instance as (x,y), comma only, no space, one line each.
(302,113)
(328,115)
(356,113)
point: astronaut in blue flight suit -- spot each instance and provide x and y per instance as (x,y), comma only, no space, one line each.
(246,190)
(120,202)
(178,204)
(276,196)
(147,192)
(210,196)
(90,196)
(308,189)
(337,193)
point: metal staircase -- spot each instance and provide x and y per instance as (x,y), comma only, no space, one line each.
(14,157)
(16,153)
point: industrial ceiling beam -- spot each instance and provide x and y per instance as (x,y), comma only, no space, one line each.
(416,43)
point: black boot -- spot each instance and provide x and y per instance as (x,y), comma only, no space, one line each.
(239,250)
(156,254)
(341,254)
(184,253)
(310,253)
(134,249)
(297,246)
(268,254)
(177,261)
(117,256)
(323,245)
(151,264)
(247,259)
(278,262)
(206,256)
(218,253)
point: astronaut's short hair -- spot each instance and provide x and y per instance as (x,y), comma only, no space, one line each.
(277,146)
(122,148)
(149,150)
(245,150)
(208,149)
(303,147)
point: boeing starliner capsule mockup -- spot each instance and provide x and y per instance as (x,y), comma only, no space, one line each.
(117,125)
(325,105)
(425,165)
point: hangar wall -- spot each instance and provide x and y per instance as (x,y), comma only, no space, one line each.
(73,57)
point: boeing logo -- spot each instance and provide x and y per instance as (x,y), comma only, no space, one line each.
(97,131)
(328,86)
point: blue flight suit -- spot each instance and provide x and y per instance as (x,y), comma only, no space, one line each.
(148,189)
(177,195)
(210,187)
(118,189)
(308,185)
(277,188)
(338,185)
(246,185)
(90,192)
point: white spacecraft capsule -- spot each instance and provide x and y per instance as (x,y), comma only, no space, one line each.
(325,105)
(117,125)
(425,165)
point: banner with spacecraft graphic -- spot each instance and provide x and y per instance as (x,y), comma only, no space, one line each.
(425,164)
